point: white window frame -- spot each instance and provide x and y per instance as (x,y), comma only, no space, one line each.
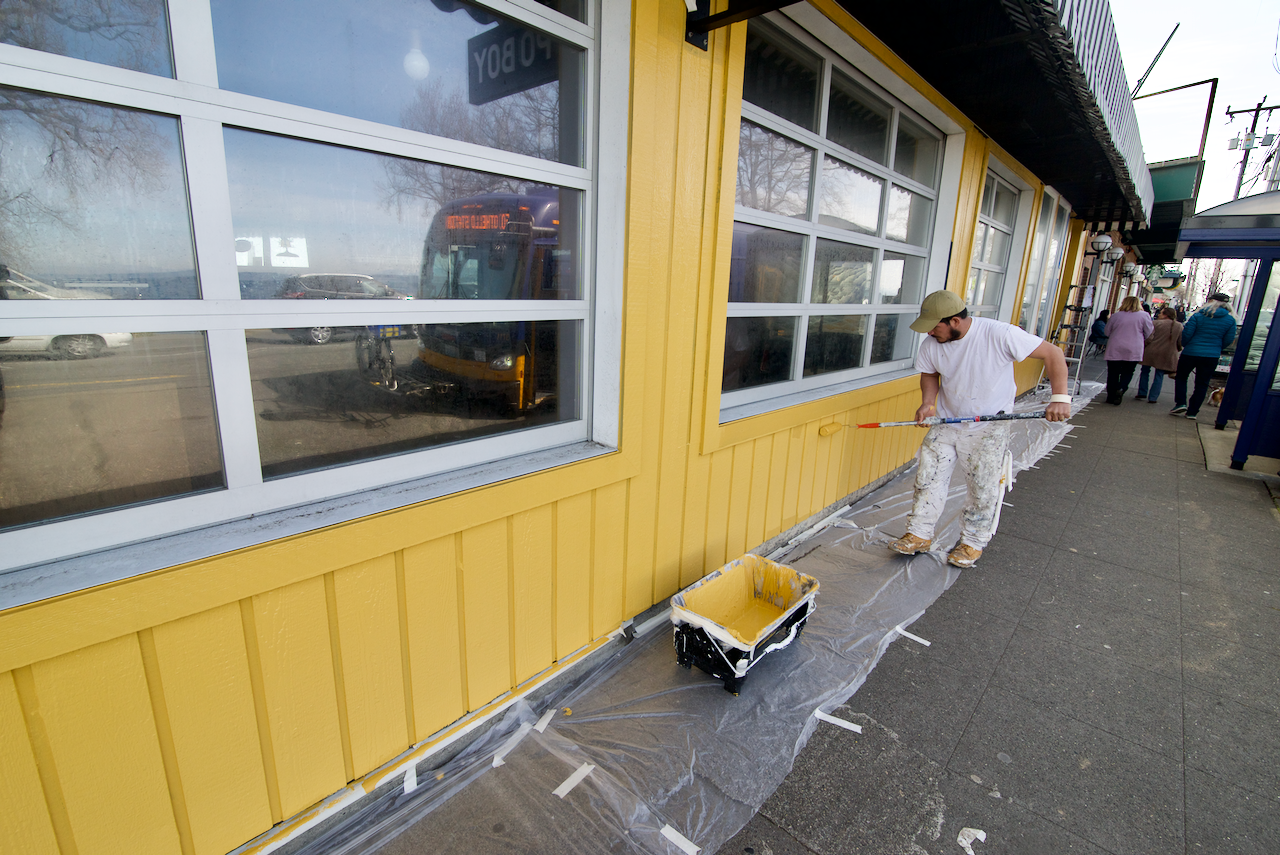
(741,402)
(203,110)
(1015,233)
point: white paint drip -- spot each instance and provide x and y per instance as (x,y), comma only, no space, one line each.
(573,780)
(410,779)
(685,844)
(967,836)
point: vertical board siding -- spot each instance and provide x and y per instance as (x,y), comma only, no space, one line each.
(573,573)
(609,539)
(208,698)
(25,825)
(533,566)
(96,711)
(486,606)
(367,599)
(435,649)
(292,634)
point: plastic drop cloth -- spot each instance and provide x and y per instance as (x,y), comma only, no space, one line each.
(670,748)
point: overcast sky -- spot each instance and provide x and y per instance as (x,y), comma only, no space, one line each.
(1233,40)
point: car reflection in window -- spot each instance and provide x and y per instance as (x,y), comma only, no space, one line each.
(334,286)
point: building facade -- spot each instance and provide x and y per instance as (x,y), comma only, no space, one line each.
(365,366)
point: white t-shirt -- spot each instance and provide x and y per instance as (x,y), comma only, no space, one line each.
(976,371)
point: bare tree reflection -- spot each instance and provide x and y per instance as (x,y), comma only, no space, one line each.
(129,34)
(56,154)
(524,123)
(773,172)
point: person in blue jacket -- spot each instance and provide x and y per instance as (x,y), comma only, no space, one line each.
(1204,336)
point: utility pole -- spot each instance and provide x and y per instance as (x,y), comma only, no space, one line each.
(1257,111)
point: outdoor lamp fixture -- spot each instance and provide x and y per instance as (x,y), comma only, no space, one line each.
(1130,268)
(1100,243)
(415,62)
(1113,255)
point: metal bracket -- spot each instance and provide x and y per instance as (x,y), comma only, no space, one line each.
(699,21)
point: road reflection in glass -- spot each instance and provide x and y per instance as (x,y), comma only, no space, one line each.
(375,391)
(92,422)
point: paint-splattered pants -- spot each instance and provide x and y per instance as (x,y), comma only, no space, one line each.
(980,452)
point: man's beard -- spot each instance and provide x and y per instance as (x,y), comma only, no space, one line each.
(955,334)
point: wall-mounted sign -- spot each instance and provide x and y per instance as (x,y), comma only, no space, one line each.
(509,59)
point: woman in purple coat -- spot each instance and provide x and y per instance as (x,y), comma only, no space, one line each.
(1127,332)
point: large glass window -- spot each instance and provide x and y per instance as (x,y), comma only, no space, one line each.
(836,198)
(371,247)
(989,258)
(1045,270)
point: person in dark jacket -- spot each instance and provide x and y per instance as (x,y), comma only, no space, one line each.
(1098,331)
(1159,355)
(1205,335)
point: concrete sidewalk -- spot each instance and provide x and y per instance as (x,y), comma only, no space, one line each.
(1106,680)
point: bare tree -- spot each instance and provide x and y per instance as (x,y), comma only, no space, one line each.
(524,123)
(773,171)
(127,33)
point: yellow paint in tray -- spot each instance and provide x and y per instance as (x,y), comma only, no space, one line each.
(747,596)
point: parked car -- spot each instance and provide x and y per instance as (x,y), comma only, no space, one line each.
(16,286)
(79,346)
(334,286)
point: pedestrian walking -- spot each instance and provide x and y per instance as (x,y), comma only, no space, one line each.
(966,369)
(1160,355)
(1127,332)
(1098,331)
(1205,335)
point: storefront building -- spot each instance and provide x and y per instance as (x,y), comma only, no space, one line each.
(366,364)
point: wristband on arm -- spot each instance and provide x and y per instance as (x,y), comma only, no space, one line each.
(1059,399)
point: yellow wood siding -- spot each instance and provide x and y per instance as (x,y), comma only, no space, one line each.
(190,709)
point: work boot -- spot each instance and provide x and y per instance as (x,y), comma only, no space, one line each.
(964,555)
(909,544)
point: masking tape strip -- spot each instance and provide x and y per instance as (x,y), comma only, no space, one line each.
(541,726)
(499,759)
(838,722)
(685,844)
(410,779)
(912,636)
(573,780)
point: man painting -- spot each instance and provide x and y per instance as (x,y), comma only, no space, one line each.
(966,370)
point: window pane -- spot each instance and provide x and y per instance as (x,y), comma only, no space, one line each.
(1266,316)
(757,351)
(842,273)
(892,339)
(1035,271)
(467,74)
(996,250)
(773,172)
(765,265)
(1054,272)
(375,391)
(980,233)
(850,198)
(856,119)
(916,154)
(1005,205)
(901,278)
(319,221)
(93,202)
(834,343)
(575,9)
(131,34)
(781,75)
(983,287)
(909,217)
(102,421)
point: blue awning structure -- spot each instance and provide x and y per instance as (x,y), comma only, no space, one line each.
(1044,79)
(1247,228)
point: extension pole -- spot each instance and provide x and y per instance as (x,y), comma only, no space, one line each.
(936,420)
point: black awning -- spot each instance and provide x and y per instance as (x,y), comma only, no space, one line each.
(1010,66)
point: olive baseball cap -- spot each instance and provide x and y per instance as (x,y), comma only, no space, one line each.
(936,306)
